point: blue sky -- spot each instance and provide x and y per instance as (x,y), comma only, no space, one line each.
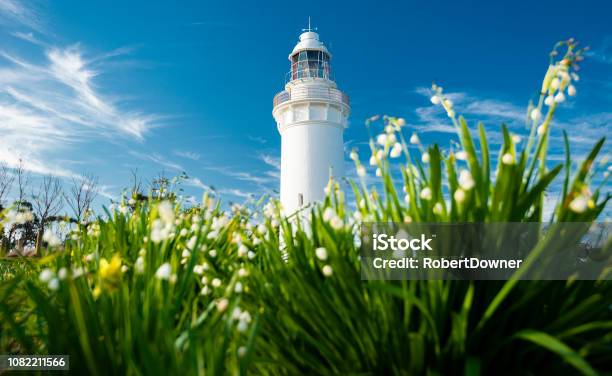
(105,87)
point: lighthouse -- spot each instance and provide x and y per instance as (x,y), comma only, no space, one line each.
(311,114)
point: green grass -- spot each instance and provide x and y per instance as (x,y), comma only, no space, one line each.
(155,288)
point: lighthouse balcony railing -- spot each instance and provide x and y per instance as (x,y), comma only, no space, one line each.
(298,93)
(314,72)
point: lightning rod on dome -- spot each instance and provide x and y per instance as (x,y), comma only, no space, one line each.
(309,29)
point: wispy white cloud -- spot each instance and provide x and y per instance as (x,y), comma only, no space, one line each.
(188,154)
(236,192)
(28,37)
(603,52)
(259,140)
(270,160)
(158,159)
(50,105)
(16,12)
(197,183)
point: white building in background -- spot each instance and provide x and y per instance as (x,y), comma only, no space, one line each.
(311,114)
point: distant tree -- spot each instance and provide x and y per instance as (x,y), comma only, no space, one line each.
(6,183)
(83,192)
(23,234)
(136,190)
(25,231)
(47,204)
(159,185)
(23,180)
(164,188)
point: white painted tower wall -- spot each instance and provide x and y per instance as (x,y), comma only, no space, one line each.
(311,114)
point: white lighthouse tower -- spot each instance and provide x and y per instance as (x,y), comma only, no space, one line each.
(311,114)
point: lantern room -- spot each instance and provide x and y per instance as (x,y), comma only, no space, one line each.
(310,58)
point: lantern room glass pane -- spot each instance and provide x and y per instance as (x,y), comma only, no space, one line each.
(310,64)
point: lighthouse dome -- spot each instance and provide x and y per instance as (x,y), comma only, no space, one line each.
(309,40)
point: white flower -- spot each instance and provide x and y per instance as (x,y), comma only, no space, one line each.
(160,231)
(425,157)
(381,139)
(448,103)
(579,204)
(216,282)
(435,99)
(242,272)
(373,160)
(361,171)
(465,180)
(549,100)
(46,275)
(50,238)
(53,284)
(560,97)
(164,271)
(124,268)
(242,326)
(222,304)
(336,223)
(321,253)
(198,269)
(554,84)
(131,202)
(535,114)
(62,273)
(508,159)
(327,270)
(185,254)
(426,193)
(328,214)
(396,151)
(380,155)
(242,250)
(205,290)
(459,195)
(541,130)
(251,255)
(139,266)
(414,139)
(516,138)
(354,155)
(238,287)
(378,172)
(219,223)
(77,272)
(242,351)
(407,198)
(212,253)
(166,212)
(450,113)
(461,155)
(571,90)
(437,209)
(183,232)
(191,244)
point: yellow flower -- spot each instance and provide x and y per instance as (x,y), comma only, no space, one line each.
(110,272)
